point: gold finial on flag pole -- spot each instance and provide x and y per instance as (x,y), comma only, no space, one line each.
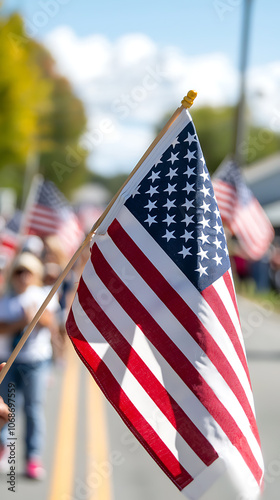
(187,102)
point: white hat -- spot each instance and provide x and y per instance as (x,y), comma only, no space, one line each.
(27,260)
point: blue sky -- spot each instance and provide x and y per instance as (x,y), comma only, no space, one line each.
(200,26)
(109,50)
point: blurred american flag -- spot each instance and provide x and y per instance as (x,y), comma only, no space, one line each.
(241,212)
(50,213)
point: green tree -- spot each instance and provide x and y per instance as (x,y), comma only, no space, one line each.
(41,118)
(215,129)
(24,97)
(112,183)
(61,160)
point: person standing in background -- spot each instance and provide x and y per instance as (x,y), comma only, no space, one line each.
(29,372)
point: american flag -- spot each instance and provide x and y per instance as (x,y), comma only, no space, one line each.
(156,322)
(51,213)
(241,211)
(10,237)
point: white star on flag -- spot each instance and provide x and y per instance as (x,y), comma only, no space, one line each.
(172,173)
(171,188)
(170,204)
(218,228)
(191,138)
(169,219)
(203,254)
(189,171)
(151,220)
(188,219)
(218,259)
(151,205)
(190,155)
(173,158)
(158,162)
(205,207)
(152,191)
(217,243)
(175,142)
(187,235)
(185,251)
(135,192)
(204,238)
(188,204)
(189,188)
(154,176)
(205,191)
(169,234)
(204,222)
(201,270)
(204,175)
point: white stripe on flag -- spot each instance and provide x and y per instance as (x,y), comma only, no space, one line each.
(222,290)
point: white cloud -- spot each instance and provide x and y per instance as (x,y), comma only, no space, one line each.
(121,151)
(81,59)
(128,86)
(132,50)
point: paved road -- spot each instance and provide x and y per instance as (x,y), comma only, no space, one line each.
(90,454)
(261,329)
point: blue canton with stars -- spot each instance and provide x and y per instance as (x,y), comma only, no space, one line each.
(175,203)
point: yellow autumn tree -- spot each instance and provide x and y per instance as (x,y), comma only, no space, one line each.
(24,95)
(40,117)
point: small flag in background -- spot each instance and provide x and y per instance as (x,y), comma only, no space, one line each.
(156,322)
(10,237)
(241,211)
(50,213)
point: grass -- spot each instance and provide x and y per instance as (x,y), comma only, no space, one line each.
(247,289)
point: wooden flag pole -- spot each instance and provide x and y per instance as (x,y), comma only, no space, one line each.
(186,103)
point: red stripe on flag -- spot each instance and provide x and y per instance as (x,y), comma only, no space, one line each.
(146,378)
(226,199)
(229,284)
(9,244)
(174,356)
(215,302)
(127,411)
(40,228)
(183,313)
